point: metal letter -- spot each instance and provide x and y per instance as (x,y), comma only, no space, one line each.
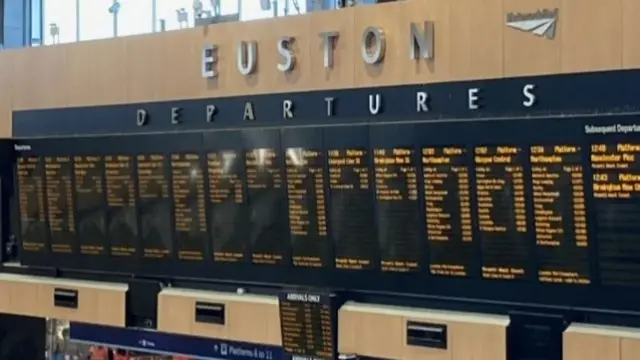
(210,61)
(421,45)
(329,40)
(175,115)
(374,36)
(284,49)
(473,99)
(247,57)
(142,117)
(374,104)
(248,111)
(329,101)
(287,107)
(211,110)
(421,101)
(527,91)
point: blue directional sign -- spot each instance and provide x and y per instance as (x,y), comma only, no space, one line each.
(162,343)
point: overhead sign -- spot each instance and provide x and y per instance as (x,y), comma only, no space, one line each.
(541,23)
(162,343)
(373,47)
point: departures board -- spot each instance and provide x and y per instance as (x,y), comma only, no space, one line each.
(488,209)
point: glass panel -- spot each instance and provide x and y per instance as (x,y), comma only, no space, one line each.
(252,10)
(227,7)
(59,21)
(167,10)
(135,17)
(36,23)
(96,22)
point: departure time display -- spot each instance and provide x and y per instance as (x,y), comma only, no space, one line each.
(502,211)
(447,197)
(396,184)
(307,207)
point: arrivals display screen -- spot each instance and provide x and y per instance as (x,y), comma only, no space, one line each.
(481,209)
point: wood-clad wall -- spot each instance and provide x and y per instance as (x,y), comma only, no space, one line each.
(472,41)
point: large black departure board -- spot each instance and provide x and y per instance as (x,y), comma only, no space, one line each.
(502,211)
(497,210)
(187,179)
(559,214)
(156,217)
(616,190)
(122,219)
(266,192)
(308,321)
(447,201)
(61,212)
(90,204)
(31,200)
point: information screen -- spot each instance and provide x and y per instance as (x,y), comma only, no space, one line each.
(307,208)
(560,218)
(616,190)
(447,198)
(398,209)
(121,201)
(156,217)
(268,222)
(90,204)
(62,222)
(502,211)
(33,221)
(308,322)
(352,208)
(228,206)
(190,215)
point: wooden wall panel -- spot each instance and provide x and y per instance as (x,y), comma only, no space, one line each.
(472,41)
(380,331)
(596,342)
(248,318)
(630,31)
(591,35)
(476,35)
(98,303)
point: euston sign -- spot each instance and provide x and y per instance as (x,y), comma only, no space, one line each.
(373,47)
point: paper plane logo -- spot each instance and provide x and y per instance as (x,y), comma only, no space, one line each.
(541,23)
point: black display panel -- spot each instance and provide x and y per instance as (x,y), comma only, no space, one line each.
(227,196)
(559,214)
(31,203)
(305,162)
(90,204)
(266,193)
(397,200)
(189,204)
(351,198)
(446,177)
(615,169)
(60,205)
(308,321)
(502,211)
(156,216)
(122,217)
